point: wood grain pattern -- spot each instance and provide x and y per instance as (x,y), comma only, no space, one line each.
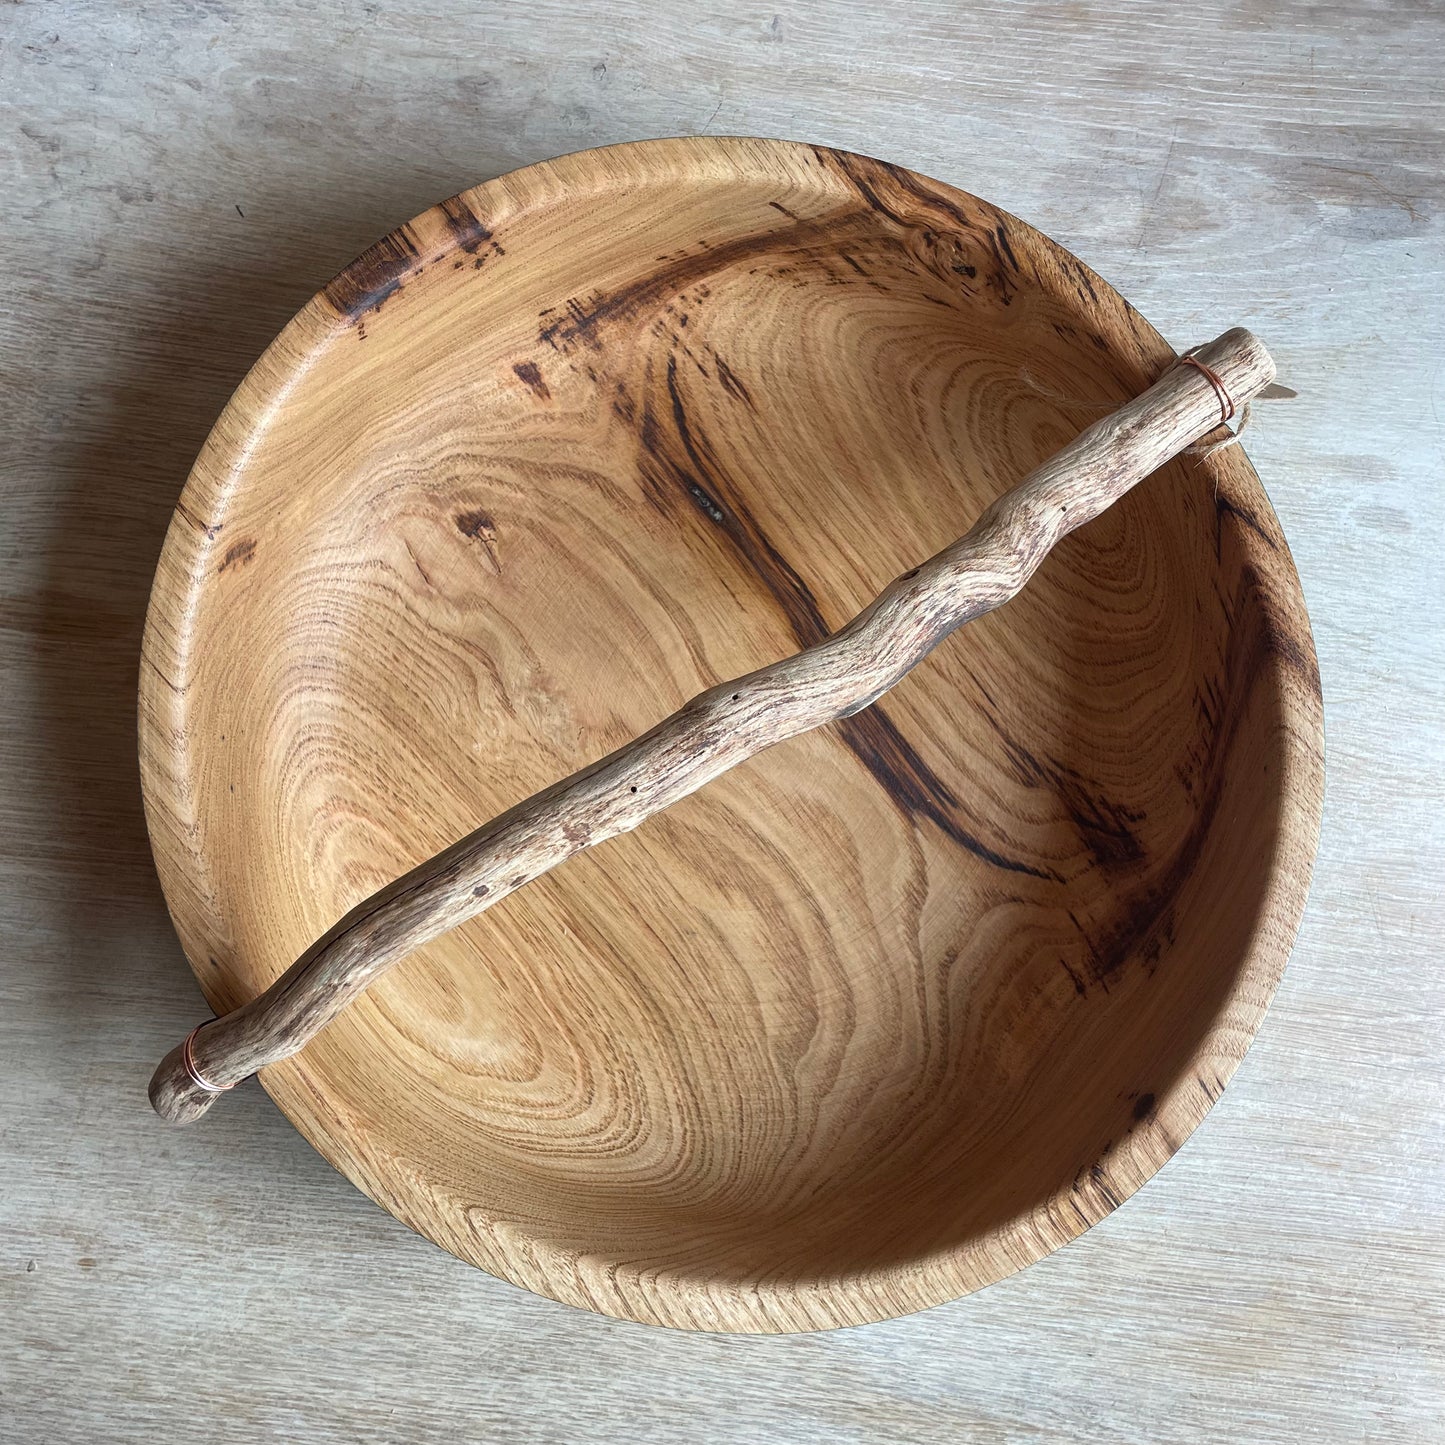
(872,1021)
(1280,1278)
(832,680)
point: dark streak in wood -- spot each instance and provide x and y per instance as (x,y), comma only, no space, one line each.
(1105,828)
(374,277)
(874,739)
(682,460)
(238,554)
(938,218)
(732,383)
(476,524)
(1144,918)
(479,527)
(416,562)
(529,373)
(467,228)
(581,322)
(1001,233)
(211,530)
(1102,1184)
(1245,517)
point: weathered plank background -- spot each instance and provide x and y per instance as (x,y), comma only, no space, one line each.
(176,182)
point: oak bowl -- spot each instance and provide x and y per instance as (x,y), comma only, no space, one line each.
(891,1010)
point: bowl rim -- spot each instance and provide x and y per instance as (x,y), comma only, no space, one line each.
(166,767)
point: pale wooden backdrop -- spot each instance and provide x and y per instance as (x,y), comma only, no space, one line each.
(176,182)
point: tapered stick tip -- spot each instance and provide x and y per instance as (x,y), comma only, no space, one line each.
(174,1095)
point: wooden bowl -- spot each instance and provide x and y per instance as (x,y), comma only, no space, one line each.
(884,1014)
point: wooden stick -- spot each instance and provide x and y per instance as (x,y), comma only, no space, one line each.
(723,726)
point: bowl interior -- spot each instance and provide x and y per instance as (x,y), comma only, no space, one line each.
(873,1019)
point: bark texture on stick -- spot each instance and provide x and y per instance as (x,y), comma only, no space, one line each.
(723,726)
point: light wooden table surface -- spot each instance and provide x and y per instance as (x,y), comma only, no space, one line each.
(175,184)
